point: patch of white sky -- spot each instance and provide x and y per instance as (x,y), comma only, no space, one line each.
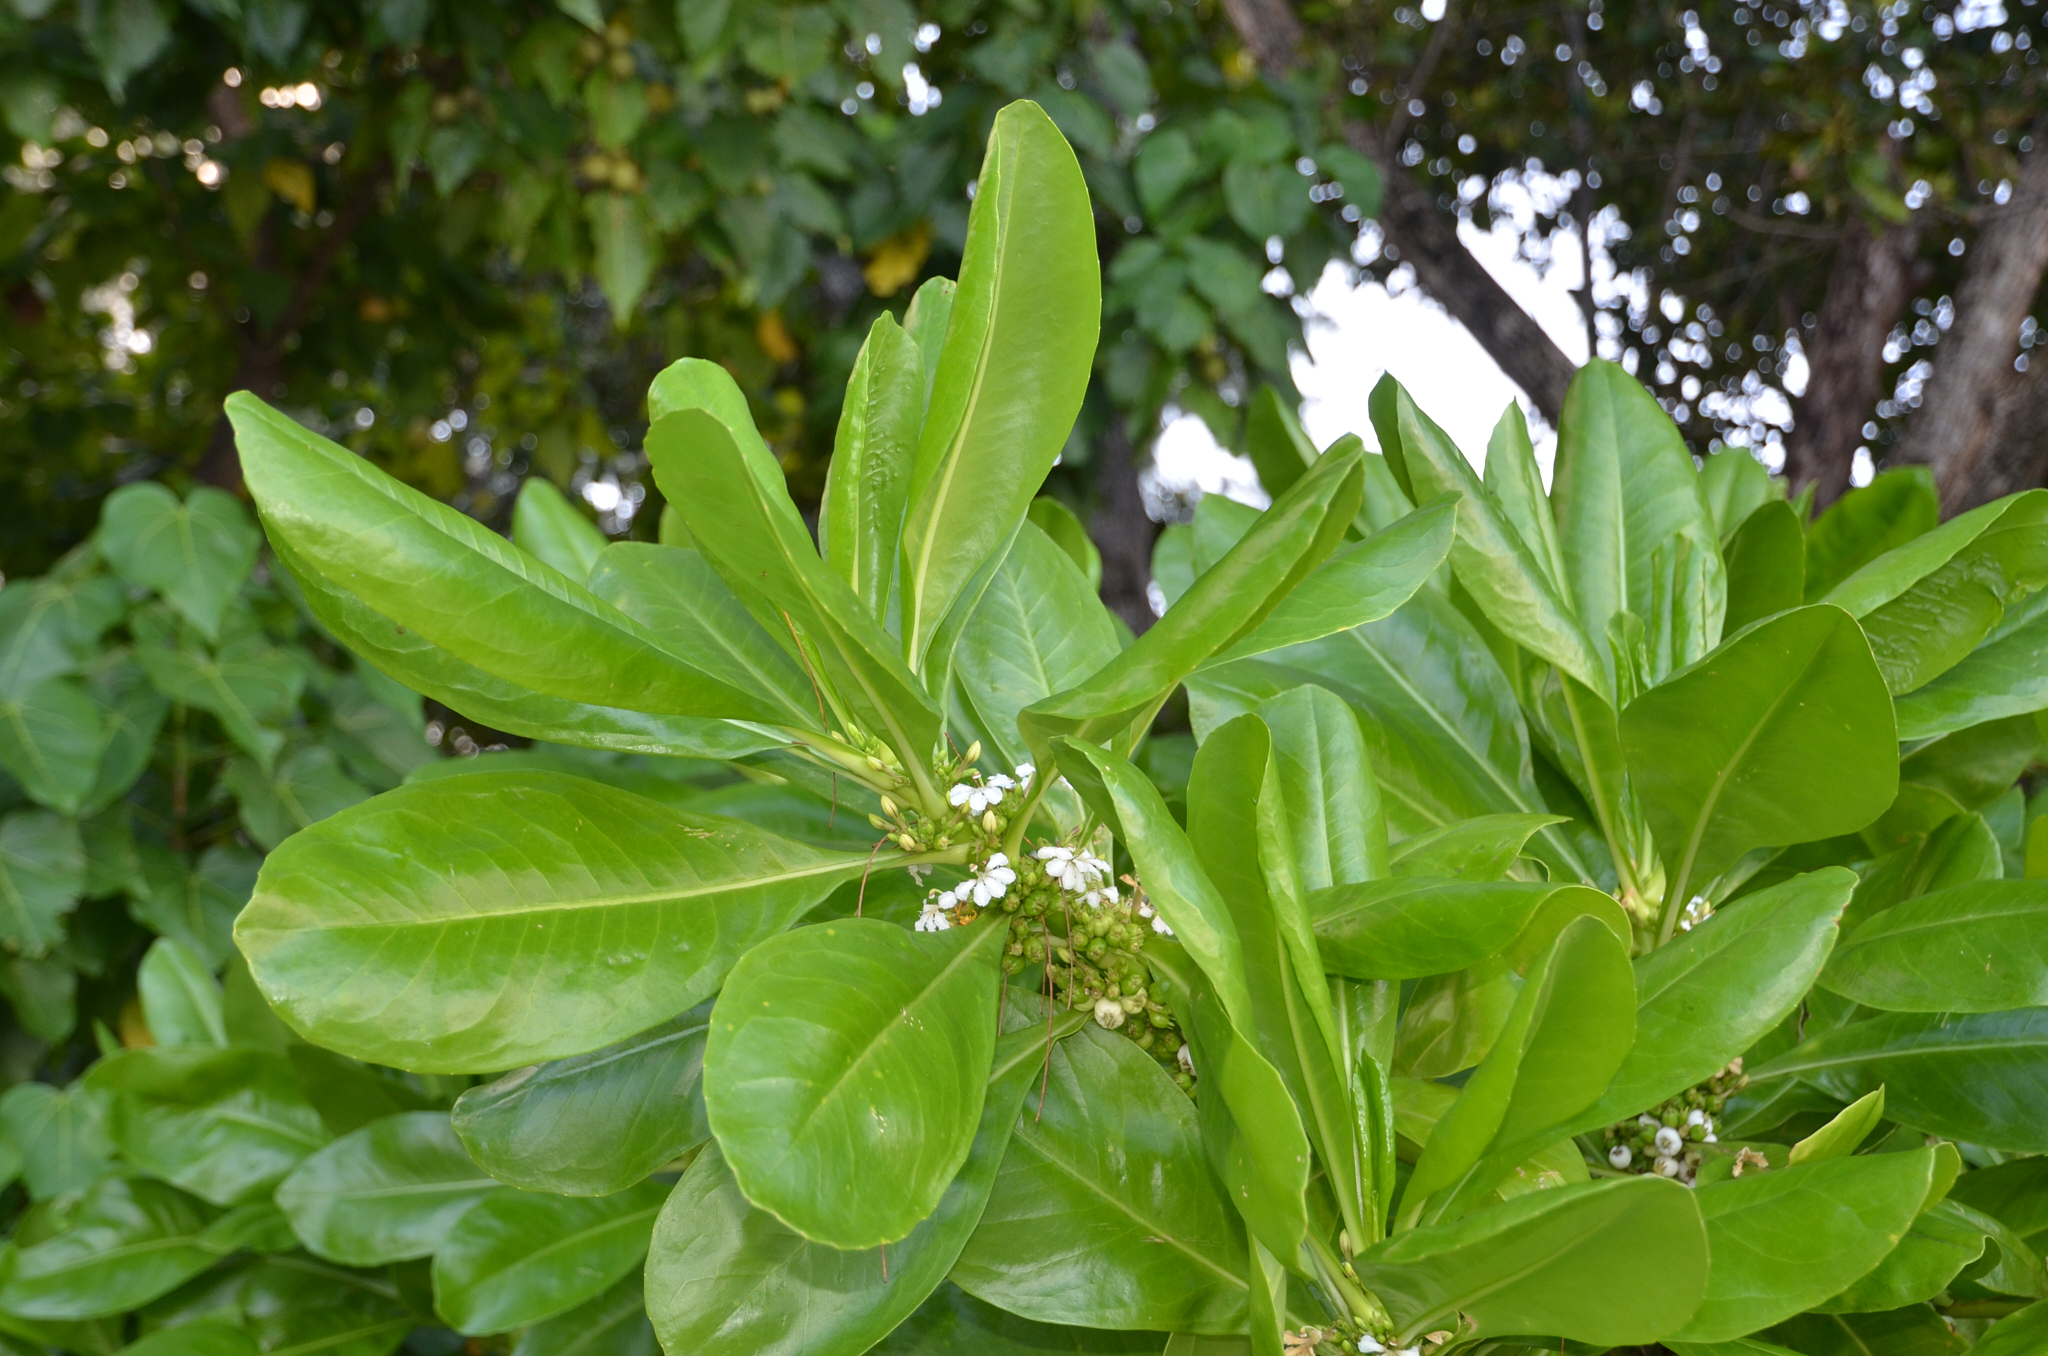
(1357,331)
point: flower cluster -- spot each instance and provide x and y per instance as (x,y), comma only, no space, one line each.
(985,884)
(975,815)
(1669,1140)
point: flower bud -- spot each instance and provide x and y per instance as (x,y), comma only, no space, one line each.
(989,824)
(906,842)
(1109,1013)
(879,822)
(889,807)
(973,754)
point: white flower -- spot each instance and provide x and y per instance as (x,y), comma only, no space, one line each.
(1101,895)
(1025,772)
(1109,1014)
(1695,1117)
(990,879)
(1669,1141)
(1667,1167)
(1713,1138)
(1620,1156)
(1186,1057)
(938,912)
(1370,1346)
(976,798)
(1158,923)
(1002,782)
(1647,1121)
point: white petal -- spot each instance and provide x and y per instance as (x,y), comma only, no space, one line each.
(960,792)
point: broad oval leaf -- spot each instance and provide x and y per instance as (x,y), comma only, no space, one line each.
(867,482)
(1414,926)
(1981,1078)
(1786,1239)
(501,886)
(548,528)
(1104,1214)
(1895,508)
(729,1279)
(518,1258)
(2019,1334)
(1941,1242)
(207,1337)
(845,1071)
(460,586)
(1338,831)
(181,1000)
(1782,735)
(42,875)
(1482,848)
(126,1242)
(1551,1262)
(389,1192)
(593,1124)
(1020,340)
(955,1323)
(2005,676)
(196,554)
(613,1324)
(1972,948)
(224,1124)
(51,736)
(1766,563)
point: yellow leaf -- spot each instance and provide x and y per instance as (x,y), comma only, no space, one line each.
(896,261)
(773,337)
(292,181)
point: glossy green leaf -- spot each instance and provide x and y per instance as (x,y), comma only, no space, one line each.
(1104,1214)
(1052,517)
(1338,832)
(1782,735)
(1570,1029)
(1942,1241)
(292,1303)
(597,1123)
(1735,486)
(1361,583)
(386,1193)
(676,594)
(867,482)
(2005,676)
(1842,1136)
(459,586)
(1482,848)
(1739,1346)
(1020,340)
(1414,926)
(1551,1262)
(1450,1021)
(42,874)
(550,529)
(845,1069)
(408,657)
(1516,484)
(954,1323)
(1224,604)
(926,320)
(728,1277)
(246,683)
(1979,1078)
(1766,565)
(306,786)
(1274,440)
(131,711)
(2020,1334)
(1913,1331)
(196,554)
(63,1147)
(1975,766)
(126,1242)
(207,1337)
(1863,524)
(197,905)
(1981,947)
(51,735)
(715,469)
(1712,992)
(225,1124)
(499,886)
(1786,1239)
(1039,629)
(613,1324)
(518,1258)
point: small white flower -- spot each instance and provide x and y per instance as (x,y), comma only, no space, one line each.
(1669,1141)
(1109,1014)
(937,915)
(1620,1156)
(1186,1057)
(1002,782)
(1647,1121)
(1101,895)
(1713,1138)
(1695,1117)
(1370,1346)
(990,880)
(1667,1167)
(1025,772)
(976,798)
(1158,923)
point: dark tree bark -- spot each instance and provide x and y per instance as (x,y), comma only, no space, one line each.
(1874,275)
(1957,428)
(2017,455)
(1122,531)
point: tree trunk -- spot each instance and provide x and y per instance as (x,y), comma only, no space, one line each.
(1960,413)
(1874,274)
(2016,453)
(1123,532)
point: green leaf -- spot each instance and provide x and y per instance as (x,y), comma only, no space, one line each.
(131,713)
(1516,484)
(2005,676)
(845,1069)
(1782,735)
(954,1323)
(51,735)
(548,528)
(867,482)
(1914,1331)
(1019,344)
(1225,604)
(124,36)
(676,594)
(418,883)
(1980,1079)
(717,472)
(1482,848)
(1981,947)
(1634,531)
(1789,1238)
(1551,1262)
(2016,1334)
(1361,583)
(1266,200)
(1766,565)
(1274,440)
(247,683)
(42,874)
(1841,1136)
(1736,486)
(389,1192)
(728,1277)
(1057,521)
(180,997)
(224,1124)
(625,246)
(196,554)
(1943,1240)
(1709,994)
(1863,524)
(461,587)
(306,787)
(613,1324)
(63,1148)
(1339,833)
(207,1337)
(1414,926)
(518,1258)
(1489,557)
(1104,1214)
(195,907)
(126,1242)
(596,1123)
